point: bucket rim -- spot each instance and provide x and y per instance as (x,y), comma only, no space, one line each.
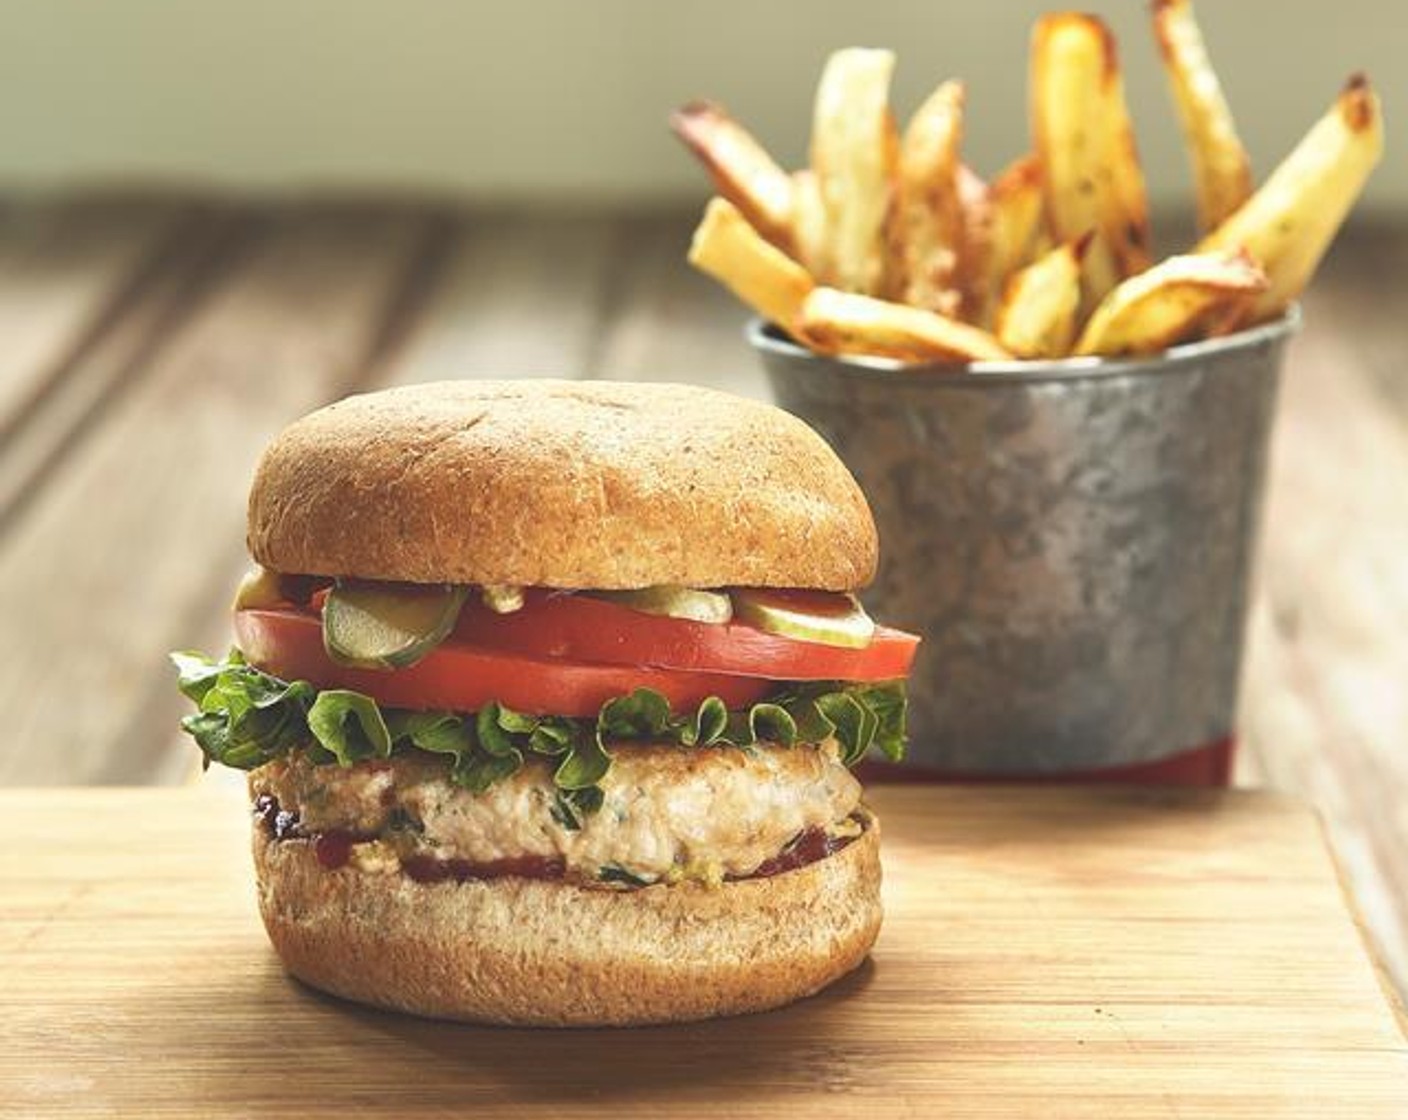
(769,340)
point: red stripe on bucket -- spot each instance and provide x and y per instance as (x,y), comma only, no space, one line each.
(1209,766)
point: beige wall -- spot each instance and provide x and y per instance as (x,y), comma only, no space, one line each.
(567,99)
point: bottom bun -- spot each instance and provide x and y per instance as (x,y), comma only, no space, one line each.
(537,952)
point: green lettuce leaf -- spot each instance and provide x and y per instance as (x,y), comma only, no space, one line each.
(707,726)
(436,732)
(246,718)
(643,714)
(349,726)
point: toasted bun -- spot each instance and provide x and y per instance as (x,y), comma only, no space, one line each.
(542,953)
(560,484)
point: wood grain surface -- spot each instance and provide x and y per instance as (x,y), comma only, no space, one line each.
(293,326)
(150,345)
(1046,954)
(68,269)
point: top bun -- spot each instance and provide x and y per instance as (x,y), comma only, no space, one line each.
(571,484)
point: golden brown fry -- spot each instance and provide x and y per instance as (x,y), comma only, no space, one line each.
(834,322)
(975,196)
(854,152)
(1069,53)
(741,168)
(809,224)
(1163,305)
(1222,171)
(1016,220)
(761,275)
(1083,136)
(1289,223)
(1037,315)
(1121,190)
(1041,245)
(927,222)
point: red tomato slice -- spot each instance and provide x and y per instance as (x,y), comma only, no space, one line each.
(460,677)
(580,628)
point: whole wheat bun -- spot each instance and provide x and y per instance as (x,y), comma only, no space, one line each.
(533,952)
(566,484)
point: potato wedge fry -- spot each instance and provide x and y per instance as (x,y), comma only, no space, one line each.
(1083,136)
(1222,170)
(1037,315)
(1164,304)
(925,234)
(1289,223)
(854,152)
(975,196)
(1016,218)
(1121,191)
(761,275)
(1069,53)
(741,168)
(809,224)
(1041,245)
(835,322)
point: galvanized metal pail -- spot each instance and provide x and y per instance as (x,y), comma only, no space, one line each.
(1072,539)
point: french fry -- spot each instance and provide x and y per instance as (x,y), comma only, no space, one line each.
(741,168)
(975,196)
(1083,136)
(926,224)
(1289,223)
(809,224)
(1222,171)
(1069,55)
(1120,190)
(1037,315)
(1016,218)
(835,322)
(1060,239)
(853,152)
(761,275)
(1163,305)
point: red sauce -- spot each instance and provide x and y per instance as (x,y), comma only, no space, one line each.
(333,849)
(807,847)
(1208,767)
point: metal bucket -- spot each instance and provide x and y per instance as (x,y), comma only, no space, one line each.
(1072,539)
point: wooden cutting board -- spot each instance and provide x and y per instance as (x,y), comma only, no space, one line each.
(1051,953)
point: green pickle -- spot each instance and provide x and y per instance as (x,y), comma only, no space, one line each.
(388,627)
(674,602)
(809,616)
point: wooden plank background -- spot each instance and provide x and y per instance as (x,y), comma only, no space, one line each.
(150,346)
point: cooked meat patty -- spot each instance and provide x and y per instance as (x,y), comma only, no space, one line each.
(669,812)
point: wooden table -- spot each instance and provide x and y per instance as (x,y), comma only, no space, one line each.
(150,346)
(1049,953)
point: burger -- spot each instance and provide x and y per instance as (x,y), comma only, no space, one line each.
(549,694)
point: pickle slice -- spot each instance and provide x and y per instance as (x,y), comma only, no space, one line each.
(674,602)
(381,626)
(827,617)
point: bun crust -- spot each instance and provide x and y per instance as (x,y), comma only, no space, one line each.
(541,953)
(570,484)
